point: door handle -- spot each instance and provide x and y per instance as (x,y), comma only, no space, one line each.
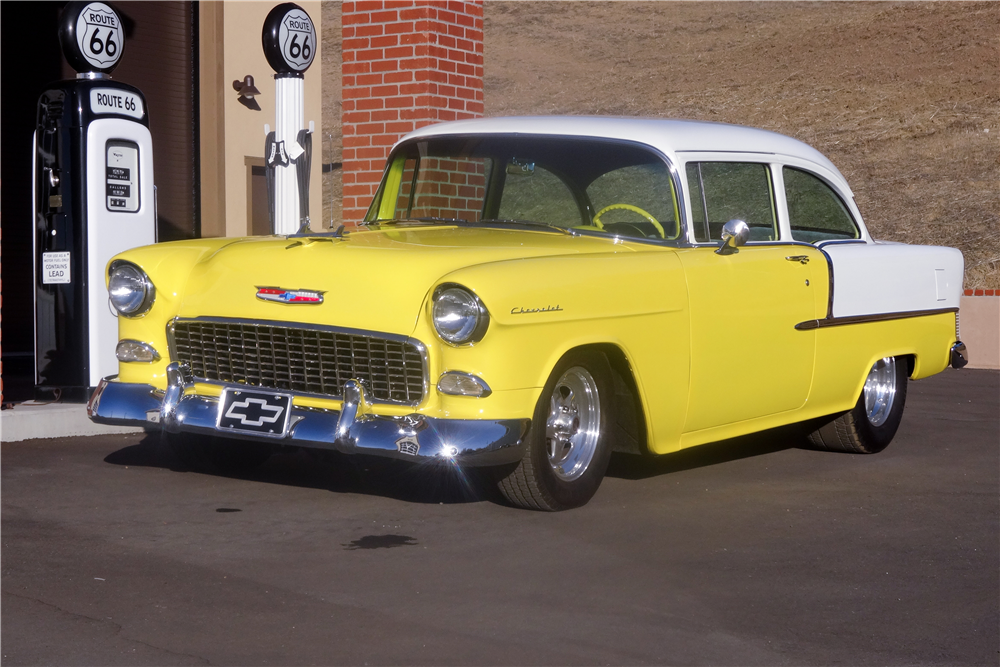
(801,259)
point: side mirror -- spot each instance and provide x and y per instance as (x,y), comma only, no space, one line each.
(734,234)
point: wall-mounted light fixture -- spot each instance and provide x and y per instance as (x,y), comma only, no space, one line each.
(247,92)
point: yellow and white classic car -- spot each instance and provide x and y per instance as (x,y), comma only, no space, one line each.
(532,294)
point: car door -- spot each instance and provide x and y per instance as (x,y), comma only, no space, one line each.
(747,358)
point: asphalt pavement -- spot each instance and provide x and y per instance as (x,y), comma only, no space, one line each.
(746,552)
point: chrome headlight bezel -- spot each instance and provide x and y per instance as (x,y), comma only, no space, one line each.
(141,293)
(475,321)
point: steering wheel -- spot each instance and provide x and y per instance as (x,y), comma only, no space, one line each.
(629,207)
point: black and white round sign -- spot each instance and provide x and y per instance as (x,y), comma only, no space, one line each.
(289,39)
(92,36)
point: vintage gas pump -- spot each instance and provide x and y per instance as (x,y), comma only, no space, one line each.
(93,198)
(289,41)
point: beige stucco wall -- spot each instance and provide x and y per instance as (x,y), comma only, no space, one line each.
(240,135)
(980,330)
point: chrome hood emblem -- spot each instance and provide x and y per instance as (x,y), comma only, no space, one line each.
(283,295)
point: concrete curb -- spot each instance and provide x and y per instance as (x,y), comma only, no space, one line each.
(55,420)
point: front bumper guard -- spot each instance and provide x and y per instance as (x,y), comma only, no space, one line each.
(352,430)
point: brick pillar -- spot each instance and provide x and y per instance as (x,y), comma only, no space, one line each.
(406,64)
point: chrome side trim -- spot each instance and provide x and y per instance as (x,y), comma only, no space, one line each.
(860,319)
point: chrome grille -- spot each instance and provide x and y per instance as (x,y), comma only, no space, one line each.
(300,359)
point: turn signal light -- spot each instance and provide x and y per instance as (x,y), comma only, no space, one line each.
(134,350)
(457,383)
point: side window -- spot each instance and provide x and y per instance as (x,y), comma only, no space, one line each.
(722,191)
(534,193)
(632,192)
(815,212)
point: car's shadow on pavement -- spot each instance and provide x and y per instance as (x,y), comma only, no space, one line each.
(334,472)
(630,466)
(436,483)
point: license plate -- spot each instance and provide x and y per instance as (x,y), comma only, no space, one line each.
(254,412)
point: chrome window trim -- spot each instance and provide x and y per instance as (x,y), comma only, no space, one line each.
(397,338)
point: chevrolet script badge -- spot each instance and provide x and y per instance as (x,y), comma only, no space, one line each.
(289,295)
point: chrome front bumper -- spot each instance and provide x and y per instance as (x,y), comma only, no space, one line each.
(353,430)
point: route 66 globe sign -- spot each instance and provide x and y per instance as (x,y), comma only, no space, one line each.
(91,36)
(289,39)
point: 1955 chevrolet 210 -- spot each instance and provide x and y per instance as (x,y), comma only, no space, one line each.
(531,294)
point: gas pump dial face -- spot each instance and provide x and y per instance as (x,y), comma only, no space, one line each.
(92,36)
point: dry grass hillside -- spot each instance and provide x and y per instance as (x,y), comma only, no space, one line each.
(903,97)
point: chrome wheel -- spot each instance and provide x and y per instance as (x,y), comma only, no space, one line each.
(880,391)
(573,427)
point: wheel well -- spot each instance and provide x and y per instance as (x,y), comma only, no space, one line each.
(911,360)
(628,433)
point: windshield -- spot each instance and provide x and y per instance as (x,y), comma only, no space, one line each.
(568,183)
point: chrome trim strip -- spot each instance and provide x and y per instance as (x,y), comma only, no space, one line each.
(396,338)
(861,319)
(459,442)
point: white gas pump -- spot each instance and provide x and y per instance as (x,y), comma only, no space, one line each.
(93,198)
(289,41)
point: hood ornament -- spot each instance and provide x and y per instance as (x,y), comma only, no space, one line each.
(283,295)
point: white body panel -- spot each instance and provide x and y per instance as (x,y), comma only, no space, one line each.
(112,232)
(873,278)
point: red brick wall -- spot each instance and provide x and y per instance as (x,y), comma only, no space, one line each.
(406,64)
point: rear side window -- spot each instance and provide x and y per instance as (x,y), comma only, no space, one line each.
(724,191)
(815,212)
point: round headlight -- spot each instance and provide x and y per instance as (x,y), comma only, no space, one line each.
(459,316)
(130,289)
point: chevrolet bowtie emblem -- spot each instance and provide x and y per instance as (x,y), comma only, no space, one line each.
(289,295)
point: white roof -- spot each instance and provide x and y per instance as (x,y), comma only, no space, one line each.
(668,136)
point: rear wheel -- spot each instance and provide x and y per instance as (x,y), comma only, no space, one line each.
(870,426)
(567,449)
(205,453)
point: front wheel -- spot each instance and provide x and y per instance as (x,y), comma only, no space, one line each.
(869,427)
(567,449)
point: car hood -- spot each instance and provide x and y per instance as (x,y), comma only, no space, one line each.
(371,279)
